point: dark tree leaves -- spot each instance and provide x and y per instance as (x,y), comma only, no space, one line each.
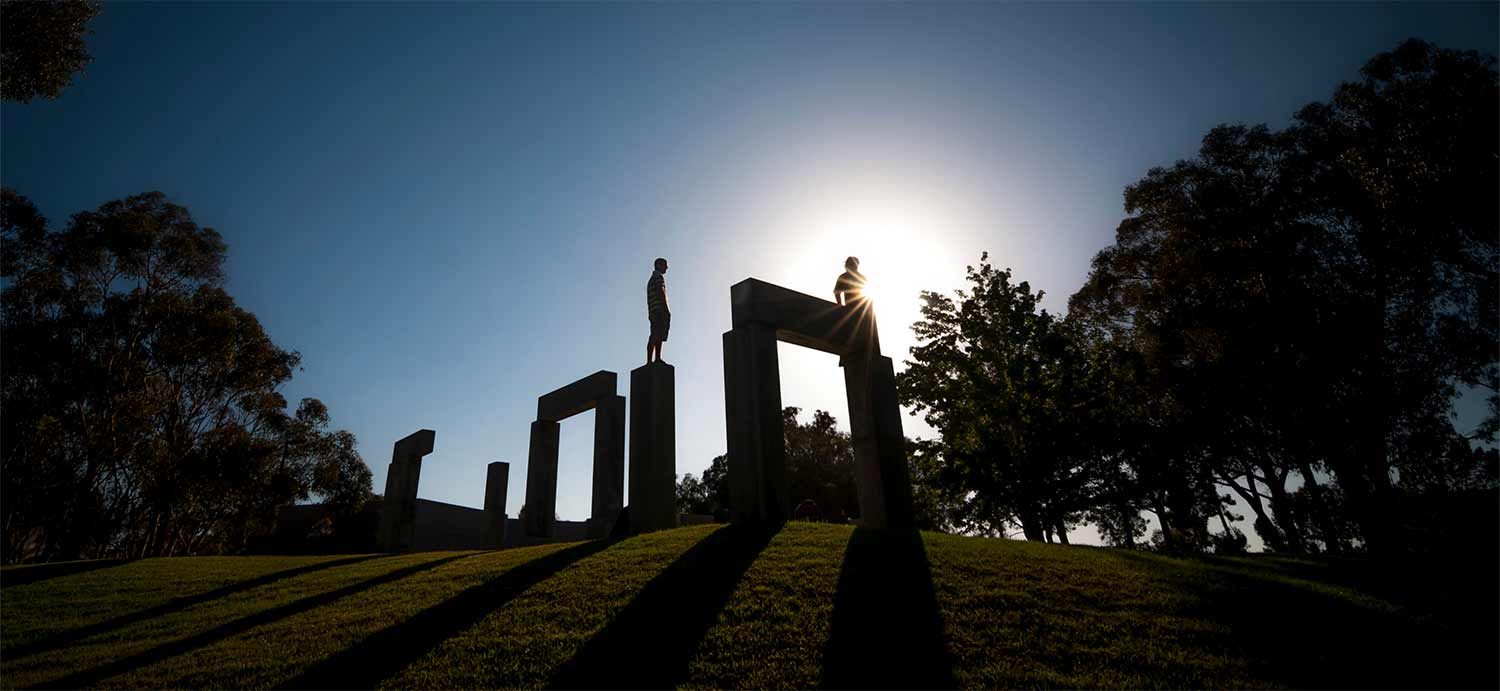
(42,46)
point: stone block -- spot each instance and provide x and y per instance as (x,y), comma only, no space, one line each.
(398,514)
(577,397)
(882,477)
(653,448)
(496,483)
(609,465)
(755,438)
(804,320)
(541,479)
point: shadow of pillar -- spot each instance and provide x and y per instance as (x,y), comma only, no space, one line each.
(650,643)
(886,631)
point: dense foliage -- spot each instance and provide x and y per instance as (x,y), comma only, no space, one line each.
(1287,318)
(42,46)
(139,412)
(820,477)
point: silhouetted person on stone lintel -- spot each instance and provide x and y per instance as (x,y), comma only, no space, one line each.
(850,288)
(657,311)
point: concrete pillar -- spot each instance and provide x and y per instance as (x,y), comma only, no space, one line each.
(752,408)
(653,448)
(881,474)
(541,479)
(496,483)
(398,514)
(609,465)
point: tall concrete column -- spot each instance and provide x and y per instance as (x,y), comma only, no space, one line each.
(541,479)
(609,465)
(883,480)
(398,514)
(653,448)
(757,453)
(496,483)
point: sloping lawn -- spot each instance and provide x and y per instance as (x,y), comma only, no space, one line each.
(709,606)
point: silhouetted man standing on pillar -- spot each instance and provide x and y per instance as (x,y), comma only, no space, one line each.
(850,288)
(657,311)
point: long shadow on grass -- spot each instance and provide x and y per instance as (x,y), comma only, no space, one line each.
(71,636)
(388,651)
(886,630)
(1300,637)
(41,572)
(649,644)
(165,651)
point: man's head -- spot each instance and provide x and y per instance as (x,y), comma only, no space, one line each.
(852,263)
(661,265)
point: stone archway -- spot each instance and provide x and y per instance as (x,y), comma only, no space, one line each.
(596,392)
(763,314)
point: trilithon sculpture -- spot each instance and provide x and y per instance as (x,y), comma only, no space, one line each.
(764,314)
(596,392)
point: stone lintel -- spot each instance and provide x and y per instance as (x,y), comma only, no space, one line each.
(577,397)
(804,320)
(413,446)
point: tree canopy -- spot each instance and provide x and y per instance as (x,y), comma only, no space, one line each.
(1284,320)
(140,406)
(42,46)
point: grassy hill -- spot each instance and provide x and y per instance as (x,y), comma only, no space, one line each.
(710,606)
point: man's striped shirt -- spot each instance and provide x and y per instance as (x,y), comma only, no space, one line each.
(656,296)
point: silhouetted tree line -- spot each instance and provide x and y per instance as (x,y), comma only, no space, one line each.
(1283,323)
(139,413)
(820,476)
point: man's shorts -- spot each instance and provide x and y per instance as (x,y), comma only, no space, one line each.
(659,327)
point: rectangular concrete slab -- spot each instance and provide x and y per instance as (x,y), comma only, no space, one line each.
(541,479)
(609,465)
(757,452)
(653,448)
(804,320)
(496,483)
(398,513)
(414,445)
(882,476)
(577,397)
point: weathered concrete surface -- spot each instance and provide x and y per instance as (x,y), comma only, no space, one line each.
(398,517)
(496,482)
(653,448)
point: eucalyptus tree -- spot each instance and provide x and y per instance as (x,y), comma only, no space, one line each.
(139,412)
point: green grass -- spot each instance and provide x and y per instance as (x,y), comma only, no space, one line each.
(811,605)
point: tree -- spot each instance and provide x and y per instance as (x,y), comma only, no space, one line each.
(1308,300)
(140,407)
(1013,396)
(708,495)
(820,465)
(42,46)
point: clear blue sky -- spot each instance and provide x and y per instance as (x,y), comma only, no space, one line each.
(450,209)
